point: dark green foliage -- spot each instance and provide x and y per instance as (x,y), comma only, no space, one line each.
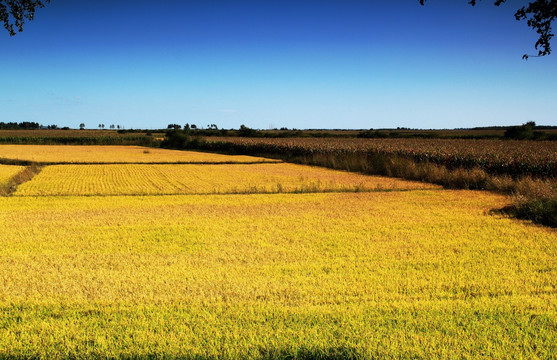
(522,132)
(245,131)
(26,125)
(15,12)
(176,139)
(539,211)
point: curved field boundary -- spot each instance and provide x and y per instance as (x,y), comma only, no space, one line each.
(10,179)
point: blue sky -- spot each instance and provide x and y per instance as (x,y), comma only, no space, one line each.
(352,64)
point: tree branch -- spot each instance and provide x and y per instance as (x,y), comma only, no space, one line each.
(13,13)
(539,15)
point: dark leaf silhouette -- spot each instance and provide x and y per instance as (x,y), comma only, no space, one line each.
(13,13)
(539,15)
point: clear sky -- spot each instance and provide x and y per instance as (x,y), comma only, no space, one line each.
(302,64)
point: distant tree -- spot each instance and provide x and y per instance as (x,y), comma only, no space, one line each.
(174,126)
(112,126)
(193,126)
(28,125)
(13,13)
(539,15)
(522,132)
(81,126)
(246,131)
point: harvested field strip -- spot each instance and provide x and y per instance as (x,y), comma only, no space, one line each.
(70,154)
(419,274)
(135,179)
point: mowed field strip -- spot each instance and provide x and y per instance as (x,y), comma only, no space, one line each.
(138,179)
(418,274)
(75,154)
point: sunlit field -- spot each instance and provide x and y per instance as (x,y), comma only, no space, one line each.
(137,179)
(114,154)
(7,172)
(387,274)
(343,268)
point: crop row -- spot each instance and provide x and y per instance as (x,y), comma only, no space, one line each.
(140,179)
(514,158)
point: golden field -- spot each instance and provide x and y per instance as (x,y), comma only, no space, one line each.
(416,274)
(140,179)
(7,172)
(342,268)
(60,154)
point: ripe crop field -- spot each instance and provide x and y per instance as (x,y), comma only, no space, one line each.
(513,157)
(59,154)
(139,179)
(425,273)
(7,172)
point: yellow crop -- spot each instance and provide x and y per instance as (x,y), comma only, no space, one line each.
(7,172)
(137,179)
(115,154)
(416,274)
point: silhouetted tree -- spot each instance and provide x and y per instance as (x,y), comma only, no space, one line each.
(522,132)
(81,126)
(539,15)
(13,13)
(246,131)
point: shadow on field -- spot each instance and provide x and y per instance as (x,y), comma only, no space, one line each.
(262,354)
